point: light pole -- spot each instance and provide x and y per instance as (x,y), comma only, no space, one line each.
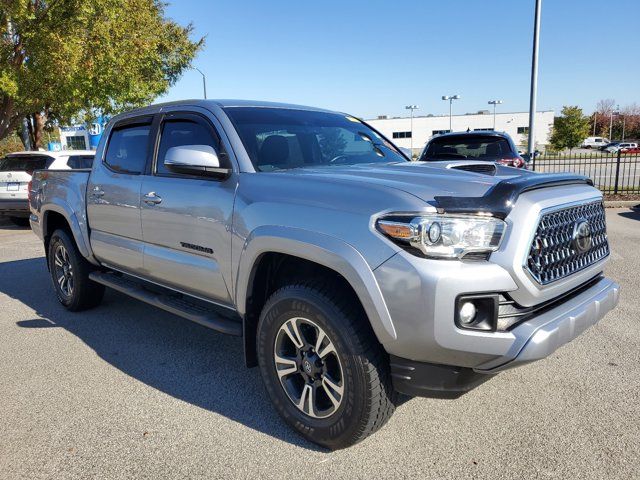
(595,122)
(204,81)
(412,108)
(451,98)
(534,82)
(613,112)
(494,103)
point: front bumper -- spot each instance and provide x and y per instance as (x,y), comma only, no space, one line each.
(420,296)
(542,335)
(533,340)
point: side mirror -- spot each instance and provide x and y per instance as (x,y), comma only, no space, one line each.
(195,160)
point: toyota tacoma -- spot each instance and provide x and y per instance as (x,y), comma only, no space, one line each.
(350,273)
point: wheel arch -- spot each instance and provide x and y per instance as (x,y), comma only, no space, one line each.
(56,216)
(270,252)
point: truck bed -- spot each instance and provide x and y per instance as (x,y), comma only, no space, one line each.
(64,192)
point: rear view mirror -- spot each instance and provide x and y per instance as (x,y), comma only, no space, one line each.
(195,160)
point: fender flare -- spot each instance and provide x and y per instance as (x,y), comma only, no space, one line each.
(324,250)
(82,240)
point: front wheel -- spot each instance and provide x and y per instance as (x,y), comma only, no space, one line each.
(322,366)
(70,274)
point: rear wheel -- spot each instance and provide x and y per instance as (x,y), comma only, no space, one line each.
(323,368)
(70,274)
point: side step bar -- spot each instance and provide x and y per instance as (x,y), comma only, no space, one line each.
(180,306)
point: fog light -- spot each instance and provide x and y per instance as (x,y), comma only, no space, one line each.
(477,311)
(467,313)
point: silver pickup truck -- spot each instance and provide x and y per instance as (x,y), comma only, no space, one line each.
(351,273)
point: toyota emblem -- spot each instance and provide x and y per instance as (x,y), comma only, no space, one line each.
(581,238)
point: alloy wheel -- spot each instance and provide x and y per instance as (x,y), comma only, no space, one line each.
(309,367)
(63,271)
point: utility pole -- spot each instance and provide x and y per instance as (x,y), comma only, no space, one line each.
(534,81)
(494,103)
(595,121)
(412,108)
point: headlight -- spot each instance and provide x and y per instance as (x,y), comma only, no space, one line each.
(445,236)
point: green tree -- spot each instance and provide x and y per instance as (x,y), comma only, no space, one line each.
(64,59)
(570,129)
(332,143)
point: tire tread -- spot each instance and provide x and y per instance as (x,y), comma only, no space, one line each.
(381,395)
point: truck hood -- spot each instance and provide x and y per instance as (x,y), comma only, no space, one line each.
(424,180)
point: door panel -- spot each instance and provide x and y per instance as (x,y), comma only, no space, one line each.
(113,196)
(186,235)
(186,218)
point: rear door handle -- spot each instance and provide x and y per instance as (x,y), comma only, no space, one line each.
(97,192)
(152,198)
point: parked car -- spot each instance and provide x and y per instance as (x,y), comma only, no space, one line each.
(15,175)
(483,146)
(630,150)
(615,147)
(594,142)
(350,273)
(604,147)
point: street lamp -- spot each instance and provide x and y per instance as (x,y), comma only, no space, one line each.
(204,81)
(494,103)
(412,108)
(451,98)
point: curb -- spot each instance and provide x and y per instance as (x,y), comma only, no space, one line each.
(622,204)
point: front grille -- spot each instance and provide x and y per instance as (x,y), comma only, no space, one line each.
(553,255)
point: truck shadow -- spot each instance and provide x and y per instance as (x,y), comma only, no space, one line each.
(175,356)
(632,214)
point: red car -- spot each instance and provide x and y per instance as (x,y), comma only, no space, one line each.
(625,151)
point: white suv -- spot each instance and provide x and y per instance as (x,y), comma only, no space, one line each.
(15,175)
(594,142)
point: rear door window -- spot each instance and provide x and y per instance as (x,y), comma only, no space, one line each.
(128,148)
(26,163)
(80,161)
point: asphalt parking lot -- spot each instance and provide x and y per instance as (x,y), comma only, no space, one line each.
(128,391)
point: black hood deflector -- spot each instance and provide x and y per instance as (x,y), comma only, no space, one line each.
(500,199)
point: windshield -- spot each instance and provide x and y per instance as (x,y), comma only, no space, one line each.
(472,147)
(27,163)
(278,138)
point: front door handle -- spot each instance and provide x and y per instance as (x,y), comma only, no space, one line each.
(152,198)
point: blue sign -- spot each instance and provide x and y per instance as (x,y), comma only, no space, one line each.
(95,131)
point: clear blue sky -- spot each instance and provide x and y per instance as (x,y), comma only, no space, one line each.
(374,57)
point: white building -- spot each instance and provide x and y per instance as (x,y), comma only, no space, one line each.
(74,137)
(424,127)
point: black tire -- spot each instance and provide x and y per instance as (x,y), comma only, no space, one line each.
(84,293)
(368,398)
(20,221)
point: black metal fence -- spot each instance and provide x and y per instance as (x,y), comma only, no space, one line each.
(617,173)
